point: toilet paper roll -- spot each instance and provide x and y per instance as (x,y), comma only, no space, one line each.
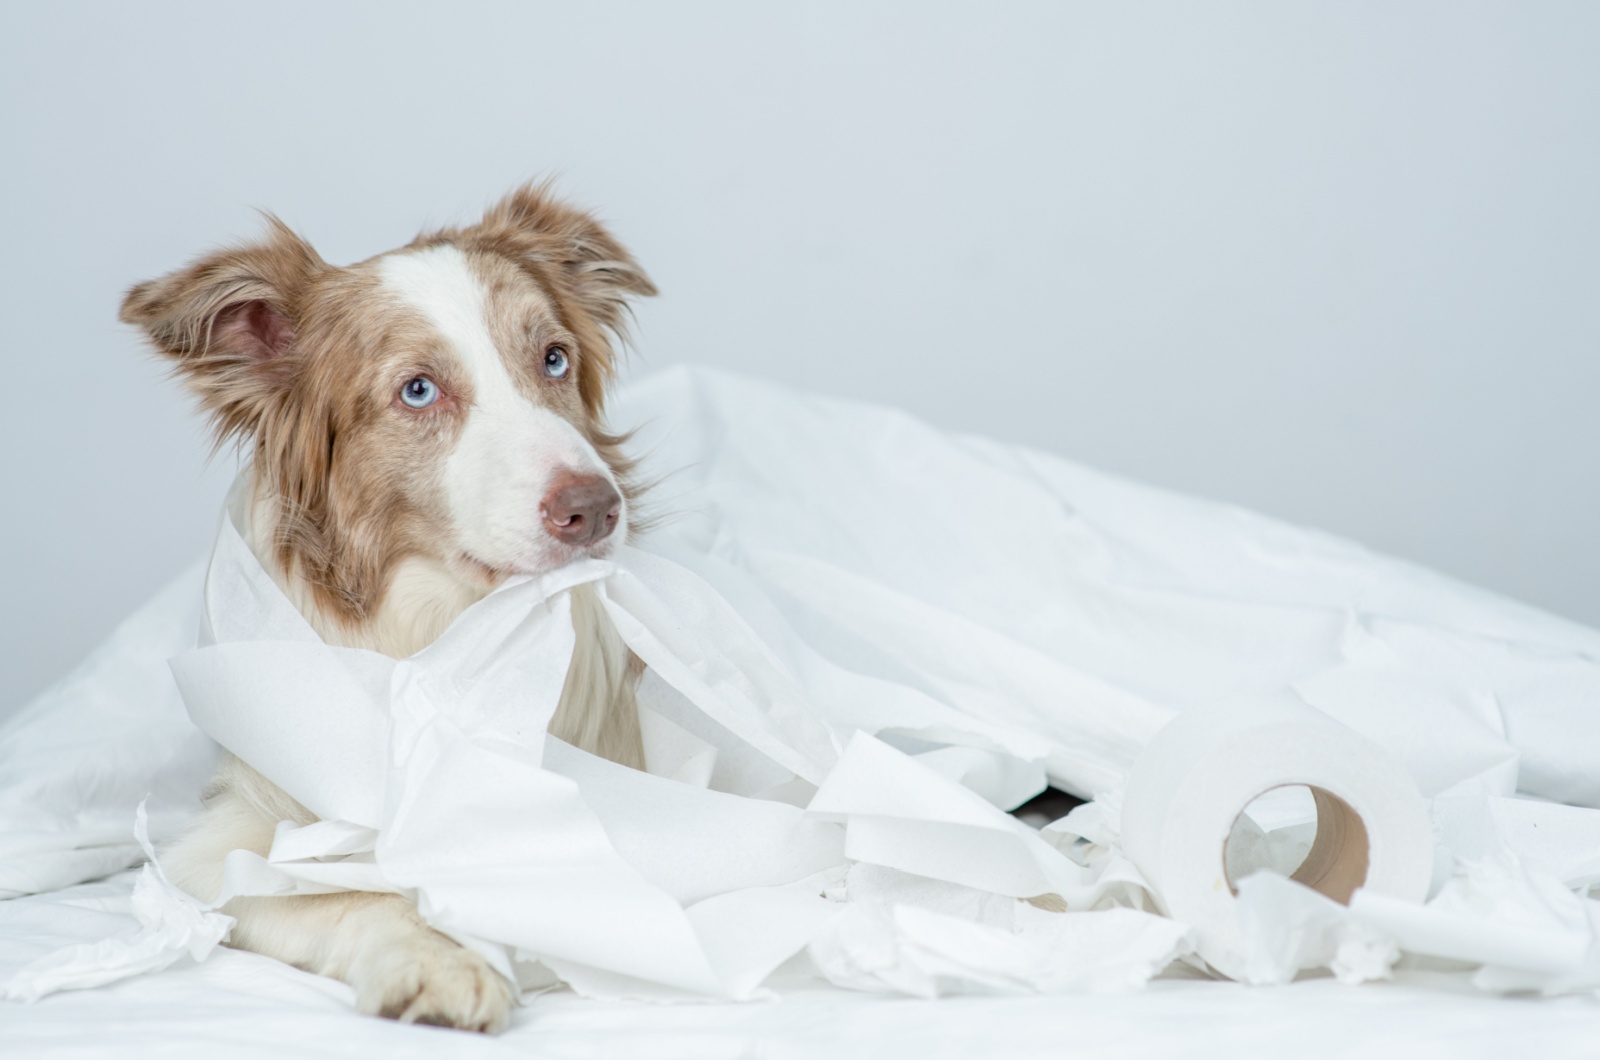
(1203,768)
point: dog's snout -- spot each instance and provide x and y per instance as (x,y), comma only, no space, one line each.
(581,509)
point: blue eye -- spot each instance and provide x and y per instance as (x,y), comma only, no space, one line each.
(420,392)
(556,362)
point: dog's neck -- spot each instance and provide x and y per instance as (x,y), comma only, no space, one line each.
(596,711)
(421,600)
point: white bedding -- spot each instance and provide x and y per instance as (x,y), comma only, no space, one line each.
(1009,597)
(240,1004)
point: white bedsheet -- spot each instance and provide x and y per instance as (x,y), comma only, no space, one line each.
(242,1005)
(998,598)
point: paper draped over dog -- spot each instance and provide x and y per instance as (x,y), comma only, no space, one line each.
(435,777)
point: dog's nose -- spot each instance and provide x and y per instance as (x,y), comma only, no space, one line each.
(580,509)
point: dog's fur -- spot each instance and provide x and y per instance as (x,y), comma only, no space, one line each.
(382,522)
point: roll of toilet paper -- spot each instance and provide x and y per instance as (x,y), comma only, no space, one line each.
(1195,778)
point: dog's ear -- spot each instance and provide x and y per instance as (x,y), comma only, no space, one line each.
(229,323)
(574,253)
(601,273)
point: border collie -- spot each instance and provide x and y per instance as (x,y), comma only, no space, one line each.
(421,426)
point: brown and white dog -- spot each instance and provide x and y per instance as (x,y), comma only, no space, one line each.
(422,425)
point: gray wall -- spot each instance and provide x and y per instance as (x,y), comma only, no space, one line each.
(1336,262)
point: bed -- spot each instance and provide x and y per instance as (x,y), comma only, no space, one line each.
(1095,611)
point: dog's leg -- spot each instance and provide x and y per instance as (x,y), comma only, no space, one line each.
(598,711)
(378,943)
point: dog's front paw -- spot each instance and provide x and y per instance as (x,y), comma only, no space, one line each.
(430,979)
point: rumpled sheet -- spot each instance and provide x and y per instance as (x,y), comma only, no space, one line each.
(239,1004)
(960,661)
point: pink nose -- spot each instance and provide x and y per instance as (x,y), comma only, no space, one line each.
(580,509)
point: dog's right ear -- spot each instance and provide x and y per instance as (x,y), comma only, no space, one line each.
(229,323)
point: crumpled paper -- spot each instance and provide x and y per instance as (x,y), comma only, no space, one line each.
(170,926)
(1512,900)
(907,934)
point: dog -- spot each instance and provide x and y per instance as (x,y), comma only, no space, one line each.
(421,426)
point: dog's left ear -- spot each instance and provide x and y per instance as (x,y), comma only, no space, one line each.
(600,271)
(574,253)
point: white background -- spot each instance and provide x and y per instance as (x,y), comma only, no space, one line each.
(1336,262)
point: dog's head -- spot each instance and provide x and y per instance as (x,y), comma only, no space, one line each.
(438,403)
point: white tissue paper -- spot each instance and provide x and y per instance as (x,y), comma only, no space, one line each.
(837,717)
(169,925)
